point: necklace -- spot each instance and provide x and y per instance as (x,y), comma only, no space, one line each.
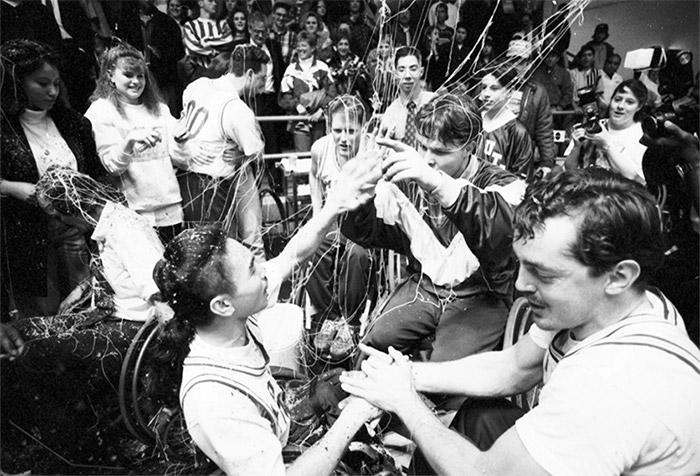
(40,137)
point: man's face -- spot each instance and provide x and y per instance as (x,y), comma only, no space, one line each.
(612,64)
(408,72)
(355,6)
(249,280)
(405,17)
(256,84)
(346,131)
(551,59)
(441,13)
(493,95)
(587,59)
(461,35)
(208,6)
(280,18)
(560,290)
(449,158)
(343,47)
(599,36)
(258,33)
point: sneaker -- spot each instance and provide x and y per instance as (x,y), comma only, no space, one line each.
(344,342)
(324,337)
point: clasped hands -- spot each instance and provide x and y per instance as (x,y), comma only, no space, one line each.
(385,381)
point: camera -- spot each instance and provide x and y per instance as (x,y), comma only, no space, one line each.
(587,102)
(683,112)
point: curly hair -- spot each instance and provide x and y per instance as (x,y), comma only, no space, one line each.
(190,274)
(450,119)
(20,58)
(129,58)
(618,219)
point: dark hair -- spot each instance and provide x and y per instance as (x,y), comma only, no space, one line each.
(284,5)
(105,88)
(586,48)
(461,25)
(441,5)
(229,18)
(318,20)
(505,73)
(618,219)
(190,274)
(19,59)
(245,57)
(639,91)
(404,51)
(449,118)
(307,37)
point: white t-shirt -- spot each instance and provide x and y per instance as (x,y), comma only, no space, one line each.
(219,122)
(623,401)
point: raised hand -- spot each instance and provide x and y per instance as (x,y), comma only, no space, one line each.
(407,164)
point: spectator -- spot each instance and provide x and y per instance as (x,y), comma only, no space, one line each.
(281,32)
(205,37)
(608,82)
(307,88)
(43,258)
(557,82)
(445,32)
(435,59)
(452,10)
(159,38)
(584,76)
(506,142)
(399,117)
(178,12)
(601,49)
(29,20)
(361,30)
(460,267)
(219,184)
(135,137)
(458,52)
(349,73)
(616,146)
(324,43)
(404,34)
(599,336)
(534,110)
(237,20)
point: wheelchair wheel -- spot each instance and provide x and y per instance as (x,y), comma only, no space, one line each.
(275,223)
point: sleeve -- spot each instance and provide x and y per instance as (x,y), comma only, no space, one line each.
(194,44)
(287,84)
(521,153)
(92,166)
(139,250)
(227,426)
(584,422)
(249,213)
(484,217)
(567,89)
(544,136)
(108,137)
(363,227)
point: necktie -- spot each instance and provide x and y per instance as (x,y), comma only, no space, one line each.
(409,137)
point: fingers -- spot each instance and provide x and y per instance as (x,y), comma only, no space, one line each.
(372,352)
(393,144)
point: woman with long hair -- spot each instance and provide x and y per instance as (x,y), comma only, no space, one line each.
(616,144)
(43,258)
(313,25)
(307,88)
(134,132)
(237,19)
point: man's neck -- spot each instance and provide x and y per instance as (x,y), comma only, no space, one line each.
(612,311)
(413,95)
(224,332)
(205,15)
(280,31)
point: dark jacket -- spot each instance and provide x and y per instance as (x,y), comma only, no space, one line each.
(24,230)
(30,20)
(509,147)
(536,115)
(165,39)
(483,217)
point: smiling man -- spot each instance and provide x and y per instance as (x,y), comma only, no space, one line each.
(454,226)
(621,377)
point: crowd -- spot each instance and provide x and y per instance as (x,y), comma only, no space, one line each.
(130,174)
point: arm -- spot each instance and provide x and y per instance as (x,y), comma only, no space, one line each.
(11,342)
(249,213)
(314,182)
(521,153)
(355,185)
(544,137)
(625,160)
(387,383)
(491,374)
(567,89)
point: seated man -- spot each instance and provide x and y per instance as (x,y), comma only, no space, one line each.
(234,409)
(456,235)
(621,377)
(339,285)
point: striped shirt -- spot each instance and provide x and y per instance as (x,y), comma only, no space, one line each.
(205,38)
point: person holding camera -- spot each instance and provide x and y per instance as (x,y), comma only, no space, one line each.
(613,143)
